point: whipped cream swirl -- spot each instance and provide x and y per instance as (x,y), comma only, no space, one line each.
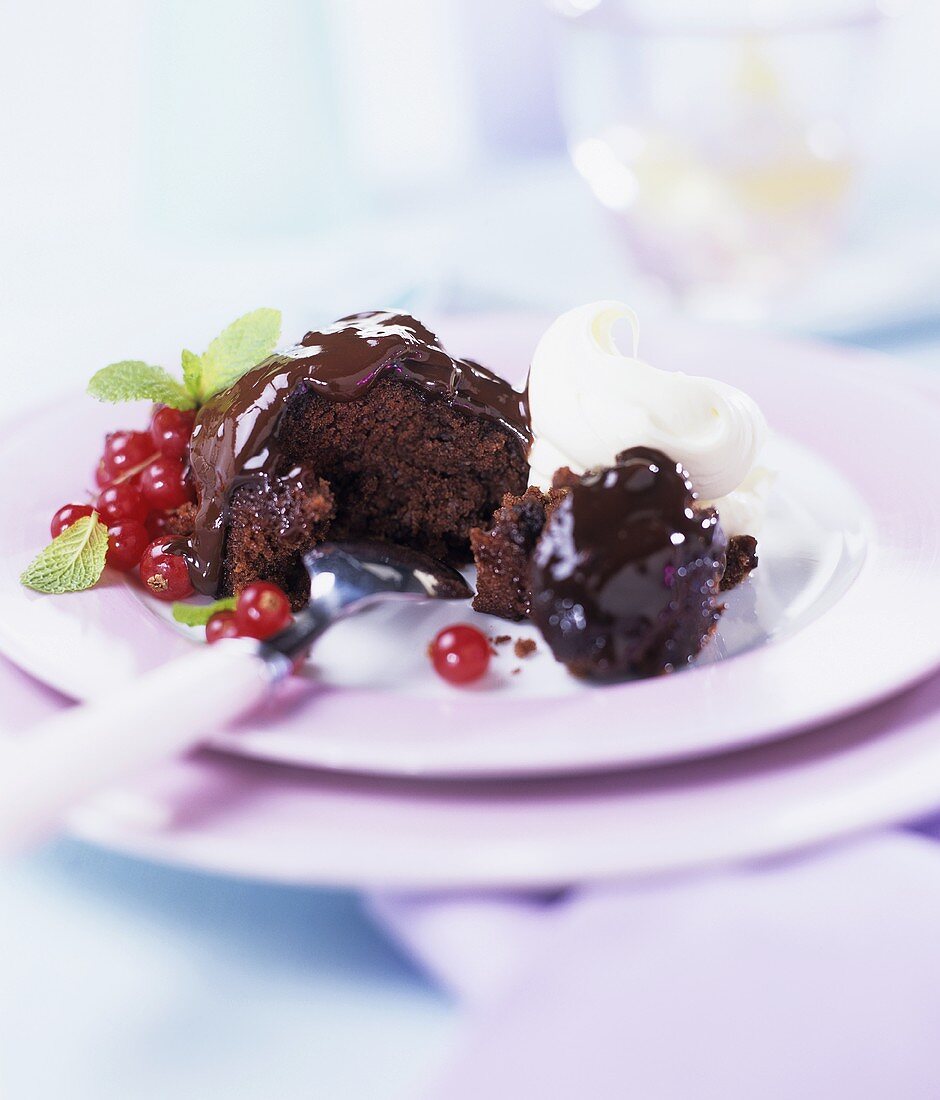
(589,401)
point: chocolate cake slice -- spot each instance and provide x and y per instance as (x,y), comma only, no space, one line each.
(624,578)
(503,552)
(366,429)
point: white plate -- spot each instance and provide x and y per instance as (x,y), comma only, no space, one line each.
(841,612)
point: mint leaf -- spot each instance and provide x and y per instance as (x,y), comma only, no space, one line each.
(196,614)
(71,562)
(234,351)
(237,349)
(192,371)
(132,380)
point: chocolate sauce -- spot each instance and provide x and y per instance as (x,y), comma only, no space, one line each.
(236,436)
(625,575)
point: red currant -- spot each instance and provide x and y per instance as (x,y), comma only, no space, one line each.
(170,430)
(222,625)
(166,575)
(158,523)
(164,484)
(262,610)
(125,450)
(460,654)
(67,515)
(126,545)
(118,503)
(103,476)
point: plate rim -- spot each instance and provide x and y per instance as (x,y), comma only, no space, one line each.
(774,829)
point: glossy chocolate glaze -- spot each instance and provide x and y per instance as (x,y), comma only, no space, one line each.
(625,575)
(236,434)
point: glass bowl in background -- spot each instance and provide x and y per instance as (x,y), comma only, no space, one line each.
(725,140)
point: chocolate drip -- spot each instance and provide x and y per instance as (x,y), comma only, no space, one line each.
(236,435)
(625,575)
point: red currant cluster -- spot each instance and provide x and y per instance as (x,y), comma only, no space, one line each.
(142,478)
(261,611)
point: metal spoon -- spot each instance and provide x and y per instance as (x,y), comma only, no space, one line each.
(174,708)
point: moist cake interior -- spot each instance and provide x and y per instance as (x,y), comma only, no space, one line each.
(367,428)
(395,465)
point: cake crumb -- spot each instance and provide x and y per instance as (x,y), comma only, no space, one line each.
(501,639)
(740,561)
(524,647)
(515,672)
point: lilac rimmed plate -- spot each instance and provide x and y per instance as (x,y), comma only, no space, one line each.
(247,817)
(241,817)
(840,614)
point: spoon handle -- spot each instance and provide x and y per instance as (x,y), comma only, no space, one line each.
(60,762)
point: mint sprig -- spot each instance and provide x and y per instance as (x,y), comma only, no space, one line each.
(195,614)
(238,348)
(192,372)
(131,380)
(73,561)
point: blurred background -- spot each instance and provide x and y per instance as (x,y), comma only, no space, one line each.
(166,166)
(770,162)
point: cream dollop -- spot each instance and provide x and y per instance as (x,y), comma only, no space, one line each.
(589,401)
